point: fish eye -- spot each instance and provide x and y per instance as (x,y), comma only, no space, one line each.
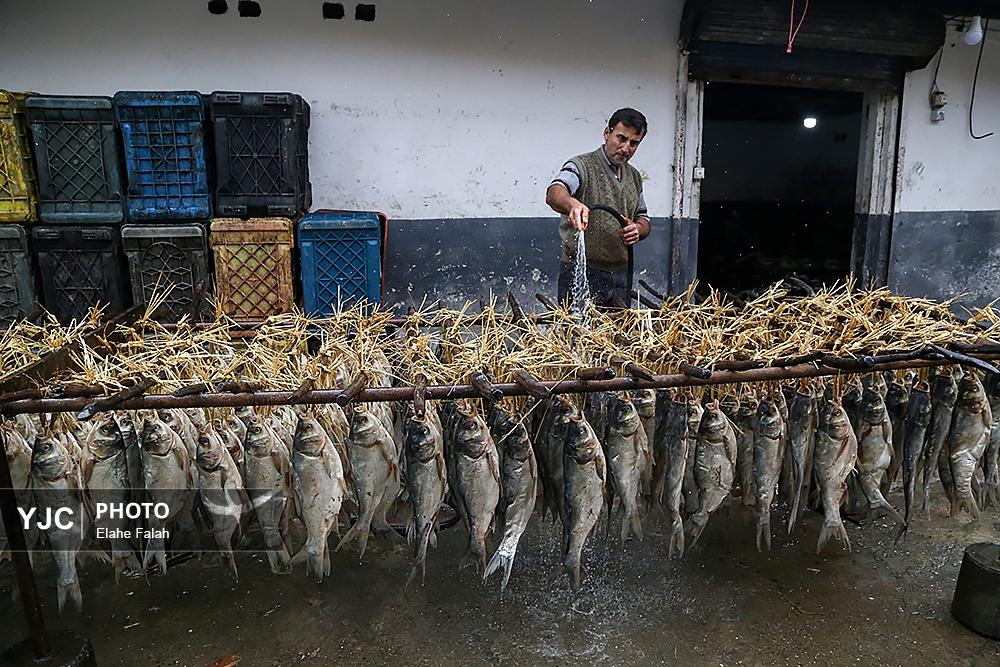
(203,441)
(255,430)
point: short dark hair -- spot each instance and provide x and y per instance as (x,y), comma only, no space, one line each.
(630,118)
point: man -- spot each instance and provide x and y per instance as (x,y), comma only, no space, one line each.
(602,177)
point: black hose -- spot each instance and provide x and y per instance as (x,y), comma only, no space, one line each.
(623,221)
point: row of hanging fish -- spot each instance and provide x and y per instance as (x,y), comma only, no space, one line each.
(661,453)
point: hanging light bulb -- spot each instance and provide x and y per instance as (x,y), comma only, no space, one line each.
(809,122)
(974,32)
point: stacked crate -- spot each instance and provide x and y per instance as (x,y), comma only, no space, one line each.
(341,254)
(80,204)
(18,201)
(262,184)
(168,200)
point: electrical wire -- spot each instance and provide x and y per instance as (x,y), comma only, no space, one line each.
(975,80)
(792,34)
(934,86)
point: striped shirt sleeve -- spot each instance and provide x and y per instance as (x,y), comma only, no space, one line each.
(569,176)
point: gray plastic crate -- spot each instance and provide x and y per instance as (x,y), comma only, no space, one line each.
(162,256)
(17,283)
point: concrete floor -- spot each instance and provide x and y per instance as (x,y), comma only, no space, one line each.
(722,604)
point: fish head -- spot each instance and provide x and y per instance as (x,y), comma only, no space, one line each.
(310,438)
(49,458)
(422,438)
(875,382)
(921,407)
(731,407)
(644,401)
(364,425)
(768,419)
(106,439)
(713,421)
(259,439)
(169,418)
(971,393)
(245,414)
(897,394)
(581,443)
(695,411)
(197,417)
(209,452)
(623,415)
(833,419)
(470,437)
(945,387)
(872,406)
(155,436)
(237,427)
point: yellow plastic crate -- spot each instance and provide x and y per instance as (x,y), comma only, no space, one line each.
(253,266)
(18,195)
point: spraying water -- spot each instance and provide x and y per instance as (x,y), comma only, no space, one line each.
(580,290)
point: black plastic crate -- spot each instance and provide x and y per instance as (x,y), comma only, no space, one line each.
(261,154)
(80,267)
(163,134)
(17,284)
(162,257)
(77,156)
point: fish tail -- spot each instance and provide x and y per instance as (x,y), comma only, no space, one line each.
(635,524)
(902,533)
(829,530)
(696,526)
(70,591)
(764,531)
(676,538)
(965,503)
(793,517)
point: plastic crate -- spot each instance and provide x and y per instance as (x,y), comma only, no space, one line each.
(77,155)
(341,259)
(261,154)
(253,266)
(17,284)
(162,257)
(80,266)
(18,194)
(163,135)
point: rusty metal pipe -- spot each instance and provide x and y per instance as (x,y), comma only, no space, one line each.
(531,384)
(443,392)
(303,389)
(420,396)
(694,371)
(485,388)
(353,390)
(591,374)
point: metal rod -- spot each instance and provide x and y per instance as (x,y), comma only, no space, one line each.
(19,554)
(303,389)
(694,371)
(632,368)
(111,402)
(420,396)
(485,388)
(444,392)
(531,384)
(651,290)
(353,390)
(590,374)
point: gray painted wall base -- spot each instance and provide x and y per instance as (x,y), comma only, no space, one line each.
(462,259)
(944,254)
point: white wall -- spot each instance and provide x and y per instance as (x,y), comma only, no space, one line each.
(444,109)
(941,167)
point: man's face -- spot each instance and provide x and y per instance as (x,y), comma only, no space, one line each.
(620,143)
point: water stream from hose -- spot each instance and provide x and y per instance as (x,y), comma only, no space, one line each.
(580,289)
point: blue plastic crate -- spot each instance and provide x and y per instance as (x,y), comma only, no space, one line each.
(341,259)
(164,138)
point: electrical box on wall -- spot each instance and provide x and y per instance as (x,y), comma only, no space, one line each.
(938,100)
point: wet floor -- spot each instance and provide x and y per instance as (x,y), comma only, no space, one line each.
(722,604)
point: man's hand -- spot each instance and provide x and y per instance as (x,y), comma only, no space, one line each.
(578,214)
(630,232)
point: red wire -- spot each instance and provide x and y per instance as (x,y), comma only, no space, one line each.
(791,21)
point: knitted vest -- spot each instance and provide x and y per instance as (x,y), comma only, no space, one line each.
(605,249)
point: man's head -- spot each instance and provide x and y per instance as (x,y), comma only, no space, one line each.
(625,130)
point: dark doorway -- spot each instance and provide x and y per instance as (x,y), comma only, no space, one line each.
(778,195)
